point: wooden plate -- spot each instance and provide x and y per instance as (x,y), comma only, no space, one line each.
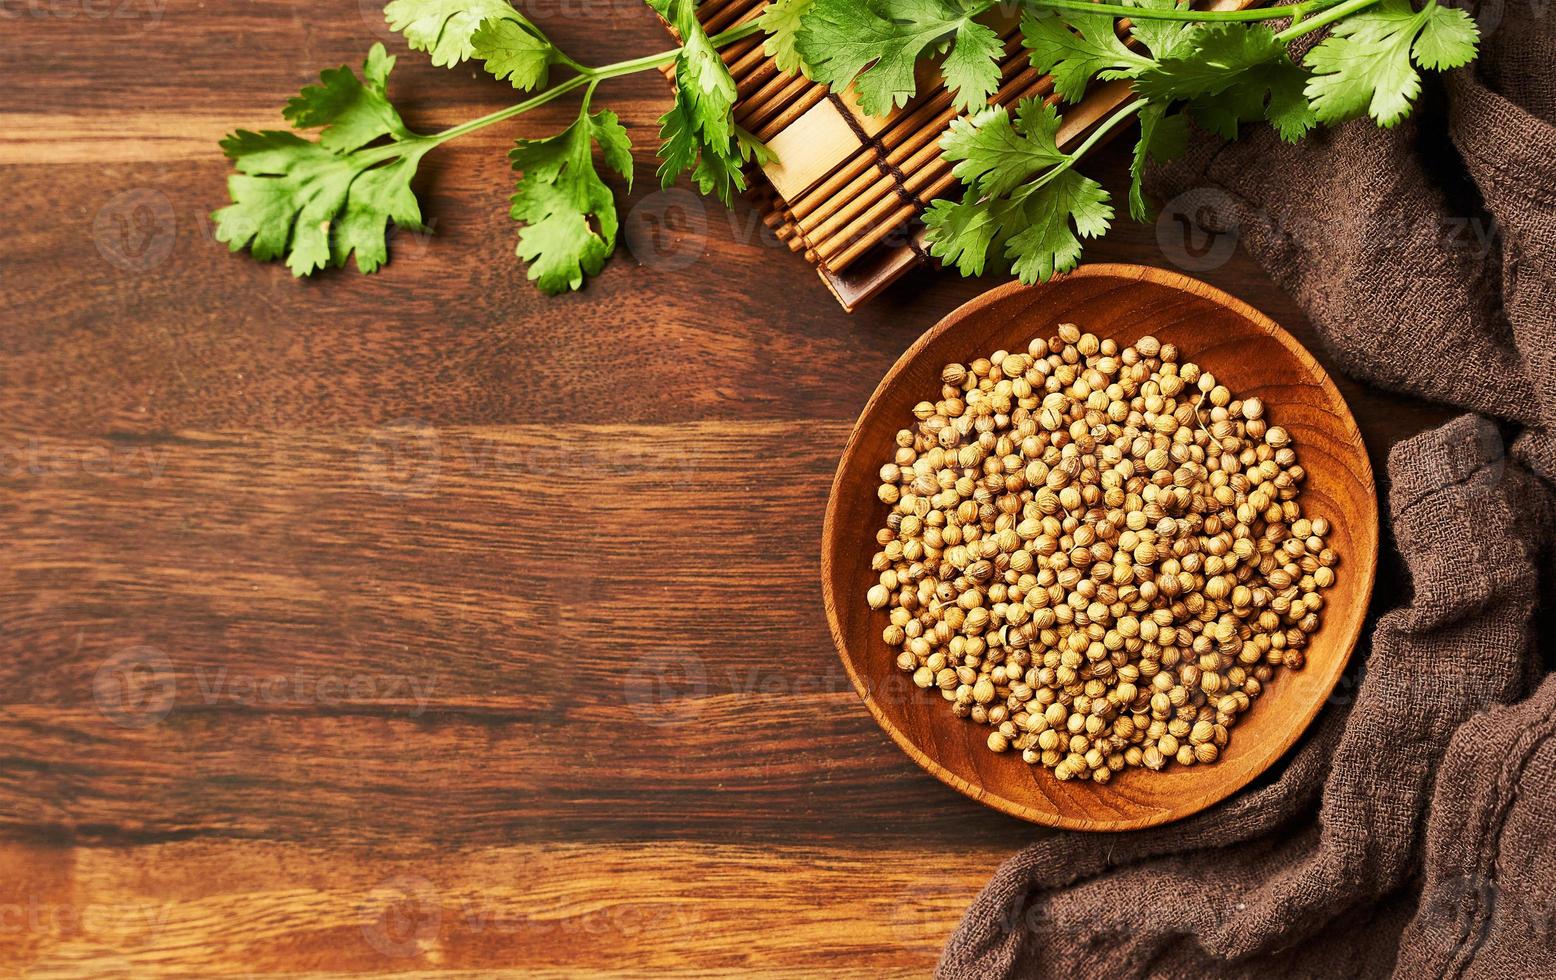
(1252,356)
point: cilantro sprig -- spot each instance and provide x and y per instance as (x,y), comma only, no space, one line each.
(1032,227)
(327,191)
(698,130)
(318,202)
(1025,208)
(1368,64)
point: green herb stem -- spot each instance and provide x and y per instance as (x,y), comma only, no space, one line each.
(586,76)
(666,57)
(555,91)
(1296,11)
(1097,136)
(1328,16)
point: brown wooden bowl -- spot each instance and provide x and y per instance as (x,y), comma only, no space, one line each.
(1252,356)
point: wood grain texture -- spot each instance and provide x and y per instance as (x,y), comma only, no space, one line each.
(685,908)
(268,506)
(1247,352)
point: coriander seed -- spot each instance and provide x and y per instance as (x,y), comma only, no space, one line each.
(1098,552)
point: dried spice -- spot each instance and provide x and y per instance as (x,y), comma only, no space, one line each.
(1097,552)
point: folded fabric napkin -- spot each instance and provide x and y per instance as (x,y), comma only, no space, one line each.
(1411,832)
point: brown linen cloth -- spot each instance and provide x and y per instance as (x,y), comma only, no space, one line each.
(1413,831)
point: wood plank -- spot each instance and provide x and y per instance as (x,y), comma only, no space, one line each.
(450,552)
(255,908)
(766,768)
(257,51)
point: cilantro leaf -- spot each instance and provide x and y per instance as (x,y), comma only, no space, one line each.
(1163,38)
(1287,109)
(960,232)
(1024,207)
(1075,47)
(698,130)
(752,148)
(1272,91)
(994,152)
(781,20)
(568,212)
(1028,233)
(352,114)
(875,44)
(1231,74)
(318,204)
(971,68)
(1208,62)
(514,49)
(1364,66)
(1046,244)
(1448,39)
(452,31)
(1162,137)
(444,28)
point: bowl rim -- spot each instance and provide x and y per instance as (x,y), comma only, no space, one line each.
(1369,540)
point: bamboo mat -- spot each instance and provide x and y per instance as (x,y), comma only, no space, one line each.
(847,189)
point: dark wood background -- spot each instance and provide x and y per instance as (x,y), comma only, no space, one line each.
(418,621)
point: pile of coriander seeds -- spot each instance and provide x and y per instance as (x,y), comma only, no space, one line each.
(1099,553)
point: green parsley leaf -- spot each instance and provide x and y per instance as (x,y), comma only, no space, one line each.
(1364,66)
(444,28)
(698,130)
(1033,225)
(513,48)
(875,44)
(781,20)
(1162,137)
(1076,47)
(568,212)
(318,204)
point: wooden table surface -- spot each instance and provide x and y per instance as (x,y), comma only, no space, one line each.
(417,621)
